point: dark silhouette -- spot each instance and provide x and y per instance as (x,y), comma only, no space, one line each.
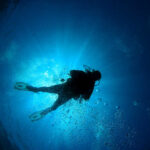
(79,86)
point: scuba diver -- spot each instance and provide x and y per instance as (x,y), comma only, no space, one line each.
(79,86)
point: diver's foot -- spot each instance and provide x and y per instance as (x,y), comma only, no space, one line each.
(21,86)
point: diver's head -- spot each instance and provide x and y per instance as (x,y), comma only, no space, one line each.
(96,75)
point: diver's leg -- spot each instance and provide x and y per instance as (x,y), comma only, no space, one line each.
(60,101)
(26,87)
(40,114)
(51,89)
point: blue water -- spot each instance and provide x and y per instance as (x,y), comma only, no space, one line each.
(42,40)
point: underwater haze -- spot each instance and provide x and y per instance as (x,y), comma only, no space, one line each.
(42,40)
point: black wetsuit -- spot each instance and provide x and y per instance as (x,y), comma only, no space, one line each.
(80,85)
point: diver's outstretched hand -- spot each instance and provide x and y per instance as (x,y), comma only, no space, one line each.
(39,115)
(21,86)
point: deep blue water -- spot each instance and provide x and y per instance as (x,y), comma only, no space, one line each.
(42,40)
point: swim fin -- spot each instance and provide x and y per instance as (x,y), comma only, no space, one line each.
(21,86)
(36,116)
(40,114)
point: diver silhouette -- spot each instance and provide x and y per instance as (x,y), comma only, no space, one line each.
(79,86)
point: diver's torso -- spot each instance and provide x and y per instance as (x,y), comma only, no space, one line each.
(81,85)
